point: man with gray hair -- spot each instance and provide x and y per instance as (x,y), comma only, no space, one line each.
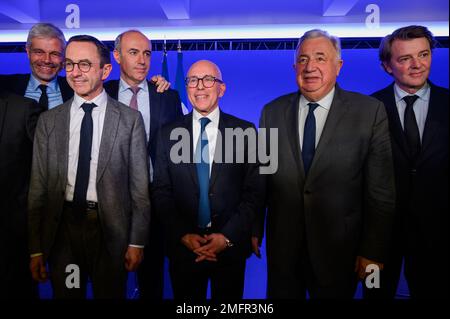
(45,50)
(331,201)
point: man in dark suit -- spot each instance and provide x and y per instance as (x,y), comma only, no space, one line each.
(331,201)
(88,203)
(45,50)
(158,107)
(18,117)
(418,121)
(207,209)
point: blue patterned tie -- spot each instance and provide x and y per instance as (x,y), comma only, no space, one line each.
(84,156)
(309,138)
(202,161)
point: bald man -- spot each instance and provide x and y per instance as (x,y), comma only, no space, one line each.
(158,105)
(207,206)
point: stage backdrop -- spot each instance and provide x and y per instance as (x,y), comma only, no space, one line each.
(254,78)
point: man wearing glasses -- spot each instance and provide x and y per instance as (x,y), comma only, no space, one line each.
(207,205)
(88,201)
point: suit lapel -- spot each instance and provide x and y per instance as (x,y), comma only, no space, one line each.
(219,152)
(337,110)
(155,108)
(191,165)
(113,89)
(110,128)
(22,83)
(394,119)
(291,120)
(431,122)
(62,129)
(3,106)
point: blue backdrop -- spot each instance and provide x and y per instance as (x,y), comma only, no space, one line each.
(253,79)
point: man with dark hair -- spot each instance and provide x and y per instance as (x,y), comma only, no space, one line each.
(18,117)
(331,201)
(88,203)
(133,53)
(418,121)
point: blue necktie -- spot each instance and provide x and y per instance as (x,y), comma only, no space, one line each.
(202,161)
(84,156)
(309,138)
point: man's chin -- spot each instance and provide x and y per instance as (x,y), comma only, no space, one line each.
(46,77)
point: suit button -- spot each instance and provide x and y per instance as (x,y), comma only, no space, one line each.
(211,194)
(307,192)
(413,171)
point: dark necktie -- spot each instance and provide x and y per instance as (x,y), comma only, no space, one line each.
(43,100)
(84,156)
(411,128)
(309,138)
(202,163)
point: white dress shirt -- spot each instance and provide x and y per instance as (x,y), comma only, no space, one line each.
(420,107)
(320,113)
(76,117)
(211,131)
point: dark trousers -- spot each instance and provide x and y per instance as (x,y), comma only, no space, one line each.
(80,242)
(306,283)
(190,279)
(150,273)
(15,276)
(423,268)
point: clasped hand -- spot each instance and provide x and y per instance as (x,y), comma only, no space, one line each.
(206,247)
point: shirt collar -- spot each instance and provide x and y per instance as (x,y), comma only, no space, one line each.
(123,86)
(325,102)
(422,93)
(52,86)
(100,100)
(213,116)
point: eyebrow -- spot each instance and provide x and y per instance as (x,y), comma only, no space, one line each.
(82,60)
(134,49)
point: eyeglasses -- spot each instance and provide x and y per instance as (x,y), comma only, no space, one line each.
(84,66)
(207,81)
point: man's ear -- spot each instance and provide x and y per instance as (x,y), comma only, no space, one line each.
(116,55)
(386,67)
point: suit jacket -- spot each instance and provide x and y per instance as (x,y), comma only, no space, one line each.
(18,117)
(164,108)
(234,192)
(422,195)
(122,178)
(17,83)
(344,207)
